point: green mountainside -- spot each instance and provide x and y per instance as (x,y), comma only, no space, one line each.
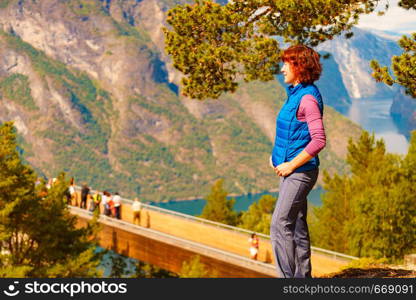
(93,94)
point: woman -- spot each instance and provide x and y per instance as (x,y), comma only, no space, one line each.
(300,136)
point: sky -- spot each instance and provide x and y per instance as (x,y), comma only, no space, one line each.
(396,19)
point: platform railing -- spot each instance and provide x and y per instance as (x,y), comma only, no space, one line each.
(316,250)
(127,225)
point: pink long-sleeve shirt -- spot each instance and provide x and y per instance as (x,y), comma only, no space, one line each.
(309,112)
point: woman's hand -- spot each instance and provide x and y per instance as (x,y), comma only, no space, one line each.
(284,169)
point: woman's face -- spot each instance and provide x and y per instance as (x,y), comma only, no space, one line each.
(289,75)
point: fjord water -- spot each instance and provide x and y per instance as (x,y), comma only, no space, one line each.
(242,202)
(374,116)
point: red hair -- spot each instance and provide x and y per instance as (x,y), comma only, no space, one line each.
(304,62)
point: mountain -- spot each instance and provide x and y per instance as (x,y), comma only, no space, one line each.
(331,86)
(389,35)
(353,57)
(93,94)
(403,111)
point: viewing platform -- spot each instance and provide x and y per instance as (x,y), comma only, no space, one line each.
(167,239)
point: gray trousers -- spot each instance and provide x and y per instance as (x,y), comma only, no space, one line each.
(289,232)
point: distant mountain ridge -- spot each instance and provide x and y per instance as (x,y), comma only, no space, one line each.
(390,35)
(351,60)
(353,57)
(93,94)
(403,111)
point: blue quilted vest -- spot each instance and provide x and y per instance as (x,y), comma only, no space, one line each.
(292,136)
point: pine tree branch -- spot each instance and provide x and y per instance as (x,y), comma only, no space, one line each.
(258,16)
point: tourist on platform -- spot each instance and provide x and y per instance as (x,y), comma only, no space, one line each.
(110,203)
(254,246)
(93,199)
(72,192)
(105,202)
(300,136)
(117,205)
(91,204)
(96,200)
(85,191)
(136,207)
